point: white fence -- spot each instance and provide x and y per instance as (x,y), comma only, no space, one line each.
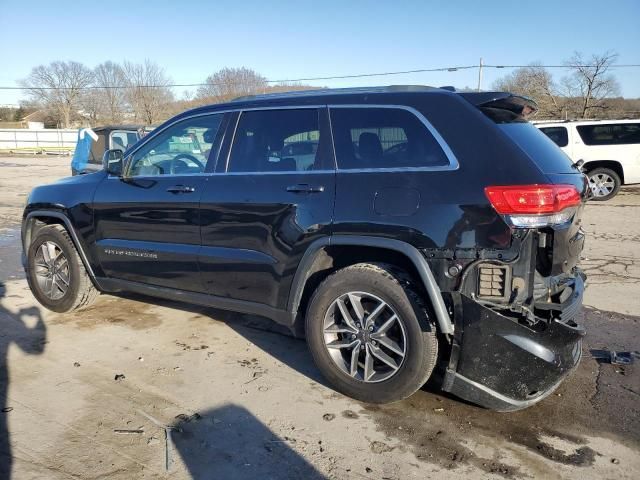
(16,140)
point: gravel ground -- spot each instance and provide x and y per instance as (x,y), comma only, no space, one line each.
(90,394)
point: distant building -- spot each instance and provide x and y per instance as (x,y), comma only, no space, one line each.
(38,120)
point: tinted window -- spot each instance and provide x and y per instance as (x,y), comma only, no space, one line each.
(558,135)
(181,149)
(277,141)
(610,133)
(383,138)
(546,154)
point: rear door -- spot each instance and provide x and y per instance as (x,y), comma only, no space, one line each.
(614,141)
(147,225)
(271,197)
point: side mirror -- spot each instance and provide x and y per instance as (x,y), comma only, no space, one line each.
(112,161)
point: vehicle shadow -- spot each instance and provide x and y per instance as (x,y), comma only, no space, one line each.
(276,341)
(264,333)
(231,443)
(13,330)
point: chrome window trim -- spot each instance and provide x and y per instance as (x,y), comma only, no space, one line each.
(453,161)
(234,174)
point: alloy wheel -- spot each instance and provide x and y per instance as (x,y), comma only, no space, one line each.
(365,337)
(601,184)
(52,270)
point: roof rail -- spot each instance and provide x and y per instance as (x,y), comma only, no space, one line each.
(337,91)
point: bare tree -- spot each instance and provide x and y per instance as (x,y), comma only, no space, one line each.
(109,93)
(229,83)
(537,83)
(147,91)
(58,86)
(290,87)
(590,83)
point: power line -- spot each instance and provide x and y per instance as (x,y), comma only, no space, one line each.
(287,80)
(309,79)
(628,65)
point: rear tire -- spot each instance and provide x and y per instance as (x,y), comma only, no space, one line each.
(390,359)
(55,272)
(604,184)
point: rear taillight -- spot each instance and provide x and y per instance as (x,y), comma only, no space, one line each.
(534,205)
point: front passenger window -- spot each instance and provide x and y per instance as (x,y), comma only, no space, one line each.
(181,149)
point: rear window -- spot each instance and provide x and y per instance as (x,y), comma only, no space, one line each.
(383,138)
(546,154)
(610,133)
(558,135)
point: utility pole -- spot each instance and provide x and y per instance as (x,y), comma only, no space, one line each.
(480,75)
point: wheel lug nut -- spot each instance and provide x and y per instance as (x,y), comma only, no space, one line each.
(358,325)
(371,328)
(374,343)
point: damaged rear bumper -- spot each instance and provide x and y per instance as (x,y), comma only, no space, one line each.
(504,365)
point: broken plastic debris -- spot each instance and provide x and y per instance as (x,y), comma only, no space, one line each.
(613,357)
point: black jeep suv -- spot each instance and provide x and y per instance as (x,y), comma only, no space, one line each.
(403,230)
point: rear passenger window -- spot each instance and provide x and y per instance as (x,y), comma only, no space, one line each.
(558,135)
(383,138)
(277,141)
(610,133)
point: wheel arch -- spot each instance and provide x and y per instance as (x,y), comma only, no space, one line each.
(318,259)
(610,164)
(52,217)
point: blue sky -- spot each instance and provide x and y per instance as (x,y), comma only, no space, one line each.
(293,39)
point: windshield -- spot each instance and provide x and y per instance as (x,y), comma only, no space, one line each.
(545,153)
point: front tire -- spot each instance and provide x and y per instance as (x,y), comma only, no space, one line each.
(604,184)
(370,334)
(55,272)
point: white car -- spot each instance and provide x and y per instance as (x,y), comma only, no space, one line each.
(610,150)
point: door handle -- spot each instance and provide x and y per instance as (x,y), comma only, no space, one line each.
(181,189)
(304,188)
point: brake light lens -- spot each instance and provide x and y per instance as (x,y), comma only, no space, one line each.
(535,205)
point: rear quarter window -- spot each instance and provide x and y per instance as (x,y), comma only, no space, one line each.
(557,135)
(379,137)
(610,133)
(546,154)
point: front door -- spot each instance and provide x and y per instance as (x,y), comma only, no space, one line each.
(270,199)
(147,223)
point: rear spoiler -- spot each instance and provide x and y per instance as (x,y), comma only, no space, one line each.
(502,101)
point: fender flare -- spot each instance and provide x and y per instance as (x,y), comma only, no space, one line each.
(422,266)
(585,166)
(26,234)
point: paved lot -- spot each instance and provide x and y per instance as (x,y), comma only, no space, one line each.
(247,402)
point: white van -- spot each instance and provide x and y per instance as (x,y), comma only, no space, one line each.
(610,150)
